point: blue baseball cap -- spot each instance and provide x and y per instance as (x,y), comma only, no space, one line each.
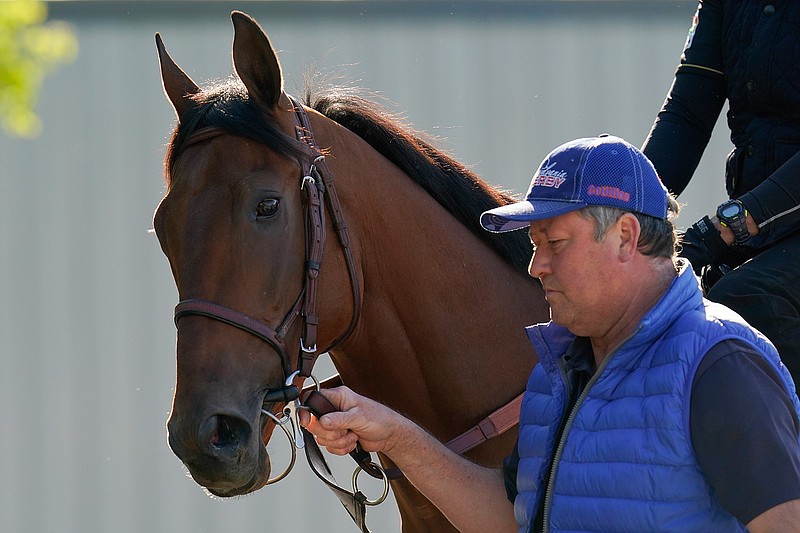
(604,170)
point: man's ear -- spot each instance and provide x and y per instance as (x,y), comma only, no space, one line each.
(629,231)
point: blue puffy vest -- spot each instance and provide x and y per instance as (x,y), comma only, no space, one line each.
(627,463)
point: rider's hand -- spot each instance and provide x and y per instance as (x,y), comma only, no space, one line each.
(702,244)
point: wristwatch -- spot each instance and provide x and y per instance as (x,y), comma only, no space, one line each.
(733,214)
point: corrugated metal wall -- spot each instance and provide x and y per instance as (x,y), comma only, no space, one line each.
(86,339)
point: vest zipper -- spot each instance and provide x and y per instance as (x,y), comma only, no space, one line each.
(573,412)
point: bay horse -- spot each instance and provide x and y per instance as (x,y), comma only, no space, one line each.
(418,307)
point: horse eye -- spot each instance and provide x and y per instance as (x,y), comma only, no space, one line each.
(267,207)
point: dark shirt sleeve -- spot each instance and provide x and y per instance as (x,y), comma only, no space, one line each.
(510,467)
(683,127)
(744,431)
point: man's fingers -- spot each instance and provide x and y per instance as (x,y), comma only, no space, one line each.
(337,440)
(355,419)
(340,397)
(329,428)
(340,444)
(304,417)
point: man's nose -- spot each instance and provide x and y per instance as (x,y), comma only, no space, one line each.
(540,264)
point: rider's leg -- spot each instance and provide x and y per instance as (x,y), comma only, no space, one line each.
(765,291)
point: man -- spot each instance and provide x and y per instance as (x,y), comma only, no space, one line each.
(651,409)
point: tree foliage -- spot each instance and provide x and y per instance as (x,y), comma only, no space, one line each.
(30,47)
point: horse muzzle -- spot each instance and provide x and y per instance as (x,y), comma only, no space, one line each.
(224,453)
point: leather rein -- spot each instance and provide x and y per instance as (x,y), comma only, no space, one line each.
(317,180)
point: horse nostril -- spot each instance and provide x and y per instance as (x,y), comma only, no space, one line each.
(228,432)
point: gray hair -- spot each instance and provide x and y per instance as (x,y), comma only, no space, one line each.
(659,237)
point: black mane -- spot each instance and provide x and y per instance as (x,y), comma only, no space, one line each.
(227,106)
(456,188)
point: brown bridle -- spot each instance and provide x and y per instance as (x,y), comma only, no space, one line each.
(317,180)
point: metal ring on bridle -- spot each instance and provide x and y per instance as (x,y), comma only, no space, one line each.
(309,178)
(383,496)
(290,380)
(282,425)
(306,180)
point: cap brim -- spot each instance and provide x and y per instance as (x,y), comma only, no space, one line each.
(519,215)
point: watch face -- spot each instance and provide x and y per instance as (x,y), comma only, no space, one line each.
(730,210)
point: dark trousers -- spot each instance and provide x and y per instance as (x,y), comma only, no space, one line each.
(765,291)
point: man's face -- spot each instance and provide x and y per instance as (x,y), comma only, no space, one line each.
(577,272)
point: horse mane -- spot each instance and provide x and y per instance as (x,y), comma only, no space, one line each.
(226,105)
(459,190)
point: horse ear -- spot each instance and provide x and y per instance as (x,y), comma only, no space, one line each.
(255,61)
(178,87)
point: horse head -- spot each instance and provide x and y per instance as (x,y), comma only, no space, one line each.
(419,307)
(234,226)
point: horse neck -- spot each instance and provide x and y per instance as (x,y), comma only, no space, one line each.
(441,333)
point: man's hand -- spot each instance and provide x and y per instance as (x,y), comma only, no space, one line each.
(358,419)
(471,496)
(702,244)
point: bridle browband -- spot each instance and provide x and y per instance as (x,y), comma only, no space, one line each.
(317,180)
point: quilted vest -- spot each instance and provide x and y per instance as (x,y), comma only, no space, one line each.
(627,463)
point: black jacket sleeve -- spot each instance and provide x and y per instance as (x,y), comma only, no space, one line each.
(775,203)
(683,127)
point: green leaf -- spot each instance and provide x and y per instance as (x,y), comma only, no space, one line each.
(30,47)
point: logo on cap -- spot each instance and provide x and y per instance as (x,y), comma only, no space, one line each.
(609,192)
(549,177)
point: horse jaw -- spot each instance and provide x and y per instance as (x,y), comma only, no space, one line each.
(255,61)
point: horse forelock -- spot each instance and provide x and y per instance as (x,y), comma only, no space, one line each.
(227,106)
(454,186)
